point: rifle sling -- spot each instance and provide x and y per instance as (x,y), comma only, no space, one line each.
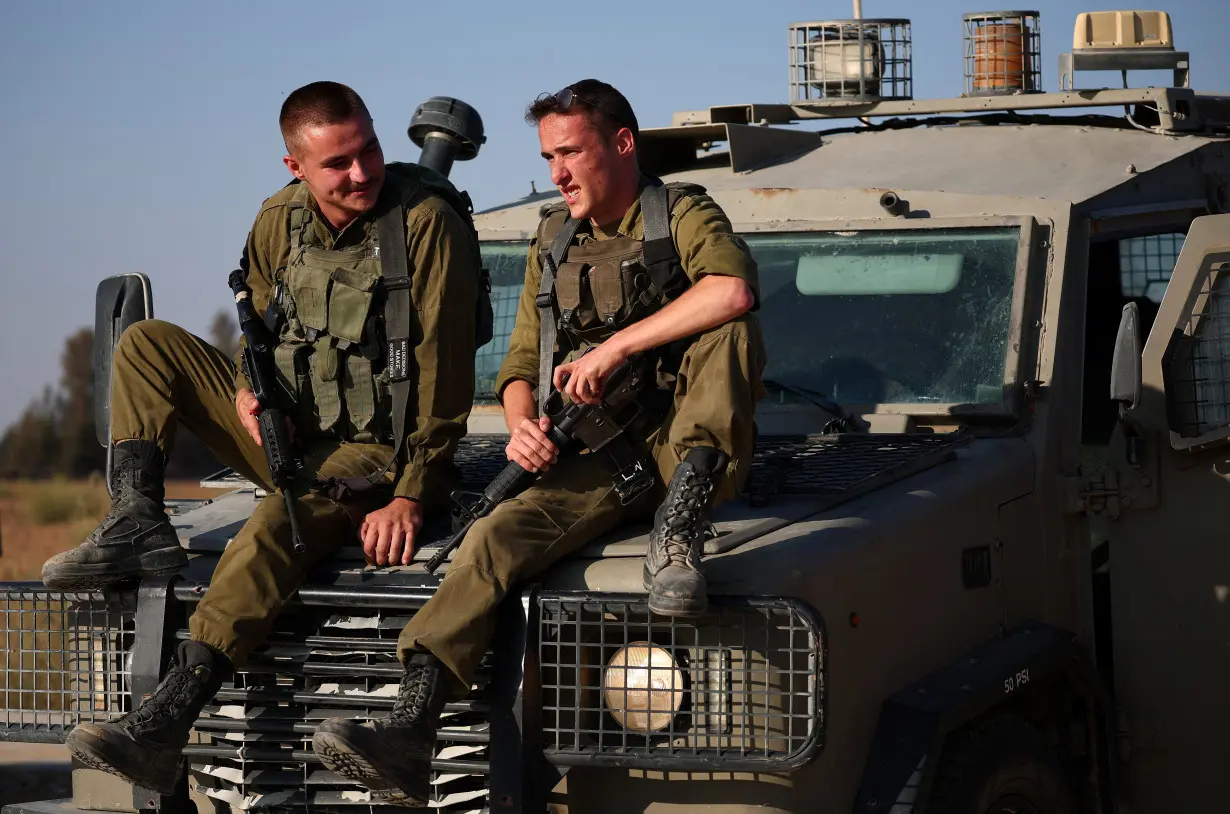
(546,311)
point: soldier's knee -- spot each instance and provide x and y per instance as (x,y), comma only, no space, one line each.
(144,334)
(477,549)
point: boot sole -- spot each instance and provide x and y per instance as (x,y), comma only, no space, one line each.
(339,757)
(88,753)
(99,576)
(678,608)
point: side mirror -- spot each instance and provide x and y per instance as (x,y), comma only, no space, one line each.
(120,301)
(1125,364)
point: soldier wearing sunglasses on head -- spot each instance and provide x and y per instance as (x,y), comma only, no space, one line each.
(623,266)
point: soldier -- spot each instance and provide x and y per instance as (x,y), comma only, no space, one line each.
(314,255)
(634,267)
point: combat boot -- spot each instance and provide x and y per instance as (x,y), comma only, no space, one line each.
(135,539)
(144,746)
(672,567)
(392,755)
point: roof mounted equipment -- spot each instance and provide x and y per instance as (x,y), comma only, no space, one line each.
(1003,53)
(446,129)
(842,61)
(1123,41)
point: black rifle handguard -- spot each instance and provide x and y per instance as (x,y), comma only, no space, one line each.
(280,453)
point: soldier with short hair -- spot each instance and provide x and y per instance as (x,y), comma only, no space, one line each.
(633,267)
(314,260)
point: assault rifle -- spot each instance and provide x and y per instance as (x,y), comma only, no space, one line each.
(285,464)
(596,427)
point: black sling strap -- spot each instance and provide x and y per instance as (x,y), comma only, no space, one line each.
(546,311)
(391,232)
(667,277)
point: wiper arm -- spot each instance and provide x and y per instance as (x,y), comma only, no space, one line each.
(843,419)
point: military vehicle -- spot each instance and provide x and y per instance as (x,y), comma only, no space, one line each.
(1003,590)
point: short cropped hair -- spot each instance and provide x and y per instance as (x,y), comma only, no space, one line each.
(317,104)
(607,108)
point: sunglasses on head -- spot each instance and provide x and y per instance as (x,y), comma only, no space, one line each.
(565,98)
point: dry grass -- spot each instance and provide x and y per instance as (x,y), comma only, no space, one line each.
(42,518)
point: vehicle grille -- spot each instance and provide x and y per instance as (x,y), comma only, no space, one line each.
(64,659)
(844,463)
(750,693)
(252,749)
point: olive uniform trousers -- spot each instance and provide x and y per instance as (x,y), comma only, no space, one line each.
(164,375)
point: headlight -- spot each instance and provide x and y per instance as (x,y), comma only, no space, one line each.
(643,687)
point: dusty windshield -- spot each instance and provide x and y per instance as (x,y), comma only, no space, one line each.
(910,316)
(869,317)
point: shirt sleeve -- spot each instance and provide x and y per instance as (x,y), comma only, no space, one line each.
(522,359)
(444,258)
(707,243)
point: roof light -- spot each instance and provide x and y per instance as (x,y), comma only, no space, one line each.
(850,60)
(1003,53)
(1123,41)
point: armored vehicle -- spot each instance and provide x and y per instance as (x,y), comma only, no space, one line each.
(978,566)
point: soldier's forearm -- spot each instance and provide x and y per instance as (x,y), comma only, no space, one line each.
(712,301)
(519,403)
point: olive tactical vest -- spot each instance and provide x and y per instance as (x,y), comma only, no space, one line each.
(329,356)
(589,291)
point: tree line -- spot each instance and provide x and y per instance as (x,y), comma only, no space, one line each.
(55,433)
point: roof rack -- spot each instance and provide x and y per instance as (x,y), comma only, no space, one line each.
(753,141)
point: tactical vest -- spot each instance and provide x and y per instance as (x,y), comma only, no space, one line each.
(589,291)
(337,306)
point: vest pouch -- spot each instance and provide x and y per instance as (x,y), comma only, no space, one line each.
(368,402)
(293,363)
(350,298)
(610,298)
(326,378)
(309,288)
(570,295)
(636,282)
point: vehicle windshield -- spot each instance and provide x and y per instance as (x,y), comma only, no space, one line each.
(910,316)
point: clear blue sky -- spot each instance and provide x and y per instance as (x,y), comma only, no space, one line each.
(142,136)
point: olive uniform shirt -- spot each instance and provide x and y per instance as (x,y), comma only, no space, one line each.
(704,239)
(443,265)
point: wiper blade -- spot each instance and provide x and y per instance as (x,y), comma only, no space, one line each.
(843,419)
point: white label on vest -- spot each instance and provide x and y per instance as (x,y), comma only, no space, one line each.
(398,357)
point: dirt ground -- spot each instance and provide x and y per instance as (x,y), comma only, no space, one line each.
(25,544)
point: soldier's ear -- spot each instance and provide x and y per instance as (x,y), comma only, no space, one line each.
(625,144)
(292,164)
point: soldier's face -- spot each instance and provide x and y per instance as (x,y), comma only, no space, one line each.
(343,165)
(596,173)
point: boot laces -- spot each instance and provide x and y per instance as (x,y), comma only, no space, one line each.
(411,704)
(173,695)
(682,520)
(124,482)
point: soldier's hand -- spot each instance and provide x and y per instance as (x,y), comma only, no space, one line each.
(589,373)
(248,409)
(389,535)
(530,446)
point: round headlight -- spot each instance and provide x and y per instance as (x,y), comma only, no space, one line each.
(643,687)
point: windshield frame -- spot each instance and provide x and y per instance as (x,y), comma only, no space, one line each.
(1017,354)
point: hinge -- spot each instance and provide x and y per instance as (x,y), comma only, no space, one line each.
(1130,483)
(1098,493)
